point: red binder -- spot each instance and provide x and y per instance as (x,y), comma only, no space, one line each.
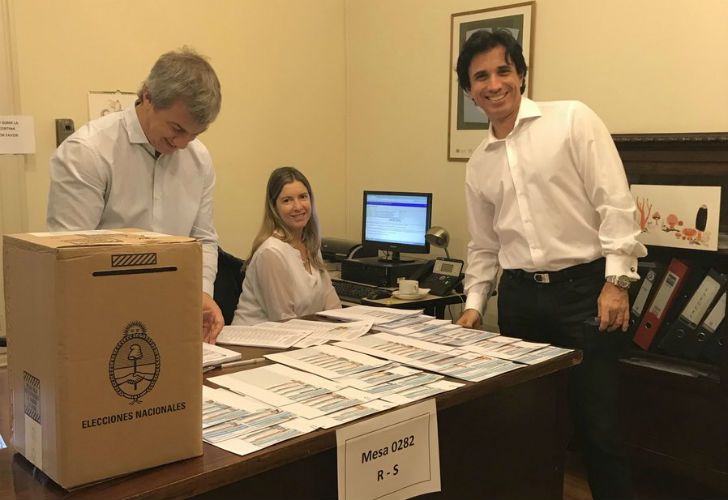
(670,287)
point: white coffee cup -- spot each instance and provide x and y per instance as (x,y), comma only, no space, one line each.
(409,287)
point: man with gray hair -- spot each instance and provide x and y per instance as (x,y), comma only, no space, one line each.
(144,167)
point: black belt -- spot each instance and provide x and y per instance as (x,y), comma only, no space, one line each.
(577,271)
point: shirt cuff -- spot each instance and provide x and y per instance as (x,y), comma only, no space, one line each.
(621,265)
(476,301)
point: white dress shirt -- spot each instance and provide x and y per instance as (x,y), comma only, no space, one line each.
(106,176)
(550,195)
(277,286)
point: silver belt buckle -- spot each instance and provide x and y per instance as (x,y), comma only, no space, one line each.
(541,278)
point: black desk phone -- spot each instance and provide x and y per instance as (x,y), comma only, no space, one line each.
(441,275)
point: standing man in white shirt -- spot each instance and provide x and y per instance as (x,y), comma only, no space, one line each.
(548,201)
(144,167)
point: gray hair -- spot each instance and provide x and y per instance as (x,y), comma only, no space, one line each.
(187,76)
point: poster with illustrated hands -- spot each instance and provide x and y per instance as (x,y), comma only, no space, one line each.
(678,216)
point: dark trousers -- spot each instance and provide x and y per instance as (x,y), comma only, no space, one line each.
(559,313)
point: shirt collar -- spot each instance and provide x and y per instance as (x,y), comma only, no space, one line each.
(133,127)
(136,132)
(527,110)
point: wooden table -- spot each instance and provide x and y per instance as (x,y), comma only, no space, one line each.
(500,438)
(433,305)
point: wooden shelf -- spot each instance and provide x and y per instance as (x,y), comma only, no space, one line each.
(674,410)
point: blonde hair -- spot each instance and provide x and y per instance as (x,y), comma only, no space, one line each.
(273,224)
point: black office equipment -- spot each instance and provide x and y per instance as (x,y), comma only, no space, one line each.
(445,275)
(373,271)
(350,291)
(339,249)
(228,283)
(713,330)
(396,222)
(640,293)
(681,338)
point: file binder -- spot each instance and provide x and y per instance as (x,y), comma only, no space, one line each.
(681,338)
(650,273)
(669,287)
(714,332)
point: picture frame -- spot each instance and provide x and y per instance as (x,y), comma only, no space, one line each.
(103,102)
(466,122)
(678,216)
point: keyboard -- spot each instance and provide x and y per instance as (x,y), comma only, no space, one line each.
(354,292)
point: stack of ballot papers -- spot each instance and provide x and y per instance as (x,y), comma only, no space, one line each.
(323,331)
(374,314)
(292,333)
(261,336)
(430,356)
(214,355)
(267,405)
(321,385)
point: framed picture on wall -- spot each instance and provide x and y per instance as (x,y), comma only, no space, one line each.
(466,122)
(101,103)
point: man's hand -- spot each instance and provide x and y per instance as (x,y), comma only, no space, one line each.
(613,306)
(212,321)
(469,319)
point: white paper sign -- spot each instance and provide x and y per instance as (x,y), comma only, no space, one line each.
(390,457)
(17,135)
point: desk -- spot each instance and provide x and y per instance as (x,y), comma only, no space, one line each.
(500,438)
(432,304)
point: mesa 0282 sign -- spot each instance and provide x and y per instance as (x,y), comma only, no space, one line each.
(390,456)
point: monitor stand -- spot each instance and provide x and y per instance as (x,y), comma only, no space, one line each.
(394,258)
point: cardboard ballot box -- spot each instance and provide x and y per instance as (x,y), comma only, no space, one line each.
(104,350)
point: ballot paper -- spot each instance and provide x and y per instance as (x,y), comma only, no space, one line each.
(392,386)
(416,393)
(213,355)
(324,331)
(261,336)
(475,367)
(507,350)
(412,352)
(376,315)
(328,361)
(255,439)
(352,413)
(540,355)
(301,393)
(226,415)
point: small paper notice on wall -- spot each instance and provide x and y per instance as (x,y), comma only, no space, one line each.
(17,135)
(102,103)
(678,216)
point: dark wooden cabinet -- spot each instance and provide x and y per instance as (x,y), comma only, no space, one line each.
(675,411)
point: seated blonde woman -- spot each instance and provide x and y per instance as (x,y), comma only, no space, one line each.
(285,275)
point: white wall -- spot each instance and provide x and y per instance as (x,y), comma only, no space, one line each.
(281,65)
(354,92)
(642,65)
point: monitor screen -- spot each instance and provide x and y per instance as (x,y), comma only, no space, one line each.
(396,221)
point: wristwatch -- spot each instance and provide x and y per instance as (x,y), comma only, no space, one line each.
(622,281)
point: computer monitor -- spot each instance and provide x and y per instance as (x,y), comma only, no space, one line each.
(396,222)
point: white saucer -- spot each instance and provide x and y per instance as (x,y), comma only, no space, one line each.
(411,296)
